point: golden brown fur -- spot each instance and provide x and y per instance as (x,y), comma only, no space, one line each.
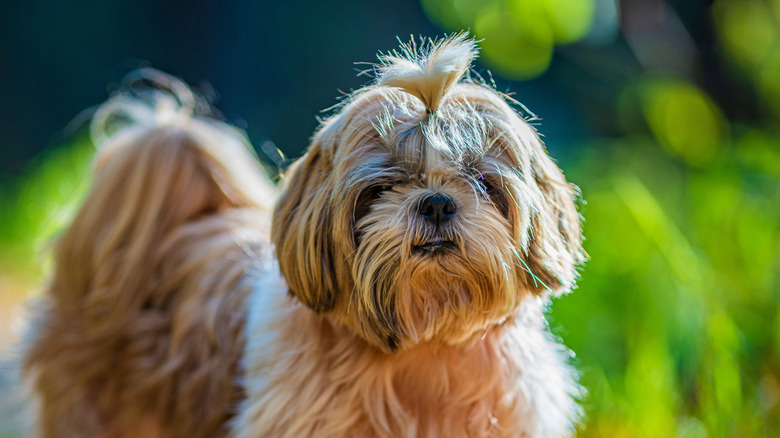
(141,327)
(403,323)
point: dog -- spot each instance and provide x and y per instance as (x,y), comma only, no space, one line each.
(139,331)
(418,243)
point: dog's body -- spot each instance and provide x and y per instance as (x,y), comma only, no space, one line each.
(140,331)
(420,239)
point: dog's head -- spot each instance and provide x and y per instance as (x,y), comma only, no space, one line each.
(426,208)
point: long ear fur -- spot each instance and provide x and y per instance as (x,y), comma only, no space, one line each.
(302,229)
(555,236)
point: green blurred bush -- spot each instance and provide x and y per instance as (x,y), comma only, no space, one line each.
(675,323)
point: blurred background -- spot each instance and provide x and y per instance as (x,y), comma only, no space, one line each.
(665,113)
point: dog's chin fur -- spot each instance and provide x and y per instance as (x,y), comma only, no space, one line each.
(399,324)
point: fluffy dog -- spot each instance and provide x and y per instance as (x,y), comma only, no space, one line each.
(140,329)
(418,241)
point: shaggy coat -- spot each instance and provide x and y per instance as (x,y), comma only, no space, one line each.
(418,242)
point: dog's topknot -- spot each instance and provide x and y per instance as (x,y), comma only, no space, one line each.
(429,73)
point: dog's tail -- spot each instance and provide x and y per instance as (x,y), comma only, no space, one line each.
(159,165)
(150,276)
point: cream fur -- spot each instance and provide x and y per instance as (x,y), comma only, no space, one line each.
(398,326)
(307,378)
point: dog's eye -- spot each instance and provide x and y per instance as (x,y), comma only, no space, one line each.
(485,186)
(494,195)
(377,191)
(363,205)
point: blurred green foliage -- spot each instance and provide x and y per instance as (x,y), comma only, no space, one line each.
(750,36)
(38,203)
(676,322)
(676,319)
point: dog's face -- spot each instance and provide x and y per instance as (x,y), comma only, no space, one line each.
(409,223)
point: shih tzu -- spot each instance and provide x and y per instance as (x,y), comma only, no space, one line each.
(140,330)
(418,243)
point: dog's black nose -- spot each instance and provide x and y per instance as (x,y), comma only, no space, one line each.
(436,209)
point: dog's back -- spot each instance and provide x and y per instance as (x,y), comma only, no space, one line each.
(140,330)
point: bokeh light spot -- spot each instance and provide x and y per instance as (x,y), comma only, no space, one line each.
(570,20)
(748,30)
(683,119)
(516,43)
(519,36)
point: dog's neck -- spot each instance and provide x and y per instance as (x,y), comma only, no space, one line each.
(415,363)
(310,376)
(429,386)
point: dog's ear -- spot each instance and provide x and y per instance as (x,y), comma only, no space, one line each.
(554,247)
(302,229)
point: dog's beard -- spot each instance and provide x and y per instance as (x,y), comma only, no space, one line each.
(417,282)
